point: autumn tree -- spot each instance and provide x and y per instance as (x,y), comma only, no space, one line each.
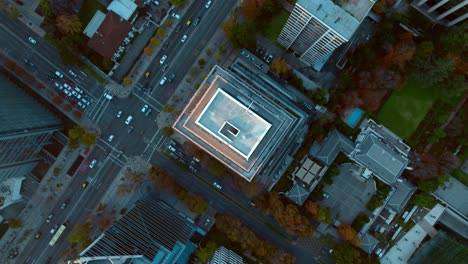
(161,32)
(348,234)
(240,34)
(345,253)
(88,139)
(14,223)
(13,12)
(204,254)
(69,24)
(432,71)
(402,52)
(424,49)
(281,257)
(127,81)
(57,100)
(251,8)
(280,66)
(177,3)
(76,132)
(195,203)
(148,51)
(80,235)
(423,199)
(155,42)
(167,131)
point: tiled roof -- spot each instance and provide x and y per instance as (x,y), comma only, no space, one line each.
(404,191)
(334,143)
(110,35)
(298,194)
(368,242)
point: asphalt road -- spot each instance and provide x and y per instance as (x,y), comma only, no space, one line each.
(145,140)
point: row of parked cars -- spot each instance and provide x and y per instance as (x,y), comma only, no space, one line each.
(70,90)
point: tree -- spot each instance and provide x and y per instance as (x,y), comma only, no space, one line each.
(155,42)
(161,32)
(127,81)
(13,12)
(432,185)
(240,34)
(281,257)
(345,253)
(77,114)
(436,135)
(423,200)
(14,223)
(177,3)
(80,235)
(348,234)
(448,162)
(69,24)
(455,39)
(374,203)
(432,71)
(402,52)
(148,51)
(57,100)
(195,203)
(251,9)
(204,254)
(45,7)
(208,52)
(76,132)
(67,107)
(424,49)
(167,131)
(201,62)
(359,222)
(280,66)
(56,171)
(88,139)
(194,71)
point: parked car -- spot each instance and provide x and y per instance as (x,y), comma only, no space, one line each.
(165,46)
(217,185)
(164,68)
(52,231)
(148,112)
(175,15)
(163,81)
(119,113)
(171,78)
(92,164)
(37,235)
(196,21)
(178,28)
(184,38)
(145,107)
(269,58)
(72,73)
(64,204)
(108,96)
(111,137)
(33,41)
(84,185)
(163,59)
(49,218)
(58,74)
(208,4)
(129,119)
(130,129)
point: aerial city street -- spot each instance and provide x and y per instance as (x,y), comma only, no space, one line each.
(233,131)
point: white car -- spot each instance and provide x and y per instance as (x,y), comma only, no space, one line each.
(111,137)
(67,86)
(108,95)
(163,81)
(119,113)
(59,74)
(91,165)
(184,38)
(72,73)
(33,41)
(78,89)
(129,119)
(208,4)
(77,95)
(145,107)
(217,185)
(176,16)
(68,93)
(163,59)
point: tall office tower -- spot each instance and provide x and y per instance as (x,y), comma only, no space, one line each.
(223,255)
(151,232)
(25,128)
(445,12)
(316,28)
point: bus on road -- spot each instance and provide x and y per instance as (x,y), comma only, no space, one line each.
(57,234)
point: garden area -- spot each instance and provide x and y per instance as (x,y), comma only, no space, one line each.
(405,109)
(88,9)
(277,23)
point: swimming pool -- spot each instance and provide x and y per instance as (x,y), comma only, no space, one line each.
(354,117)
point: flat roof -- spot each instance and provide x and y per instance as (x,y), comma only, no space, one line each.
(123,8)
(236,125)
(94,24)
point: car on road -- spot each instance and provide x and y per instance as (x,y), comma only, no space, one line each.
(145,107)
(119,113)
(130,129)
(164,68)
(65,204)
(49,218)
(78,89)
(111,137)
(148,112)
(147,74)
(52,231)
(269,58)
(189,22)
(171,148)
(171,78)
(33,41)
(178,28)
(37,235)
(84,185)
(196,21)
(175,15)
(59,74)
(72,73)
(217,185)
(108,96)
(163,59)
(163,81)
(129,119)
(68,93)
(184,38)
(208,4)
(92,164)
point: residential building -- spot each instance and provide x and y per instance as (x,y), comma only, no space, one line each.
(316,28)
(239,118)
(151,232)
(25,128)
(445,12)
(441,248)
(223,255)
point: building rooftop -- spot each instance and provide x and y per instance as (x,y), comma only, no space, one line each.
(403,192)
(307,171)
(342,16)
(334,143)
(237,123)
(455,222)
(94,24)
(123,8)
(455,195)
(234,124)
(110,34)
(298,194)
(440,249)
(368,242)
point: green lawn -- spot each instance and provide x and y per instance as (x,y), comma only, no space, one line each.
(88,9)
(405,109)
(277,23)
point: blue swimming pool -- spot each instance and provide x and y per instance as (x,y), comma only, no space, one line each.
(354,117)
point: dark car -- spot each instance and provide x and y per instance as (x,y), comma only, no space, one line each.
(178,28)
(196,21)
(165,46)
(65,204)
(171,78)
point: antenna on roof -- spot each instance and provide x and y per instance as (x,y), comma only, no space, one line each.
(318,8)
(338,19)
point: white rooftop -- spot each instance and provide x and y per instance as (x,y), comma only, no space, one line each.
(94,24)
(123,8)
(233,123)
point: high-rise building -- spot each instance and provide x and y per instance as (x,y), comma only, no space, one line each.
(151,232)
(445,12)
(25,128)
(223,255)
(316,28)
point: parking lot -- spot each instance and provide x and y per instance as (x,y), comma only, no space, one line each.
(349,193)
